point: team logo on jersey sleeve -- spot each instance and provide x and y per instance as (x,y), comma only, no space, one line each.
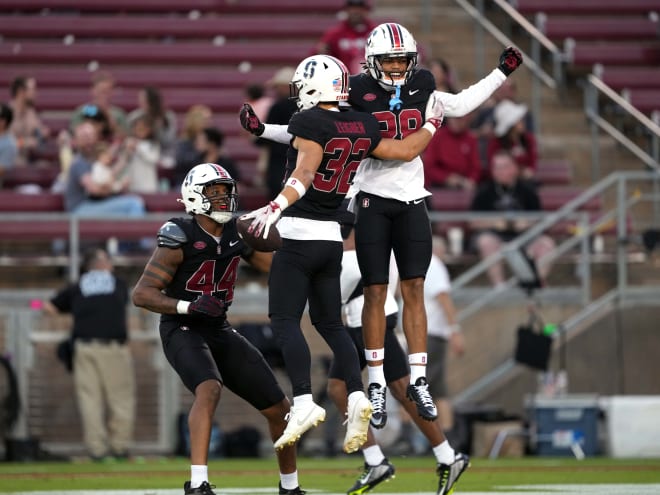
(369,97)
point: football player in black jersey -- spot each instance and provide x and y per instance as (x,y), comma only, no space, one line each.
(327,145)
(391,212)
(190,281)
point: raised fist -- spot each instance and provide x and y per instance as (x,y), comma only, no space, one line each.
(435,110)
(510,60)
(206,305)
(250,121)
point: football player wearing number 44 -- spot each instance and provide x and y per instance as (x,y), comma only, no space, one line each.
(190,281)
(390,208)
(327,147)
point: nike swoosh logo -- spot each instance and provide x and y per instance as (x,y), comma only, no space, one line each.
(412,91)
(417,201)
(233,243)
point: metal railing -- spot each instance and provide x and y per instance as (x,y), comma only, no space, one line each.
(596,89)
(540,46)
(625,188)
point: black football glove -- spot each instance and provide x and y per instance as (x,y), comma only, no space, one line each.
(510,60)
(206,305)
(250,121)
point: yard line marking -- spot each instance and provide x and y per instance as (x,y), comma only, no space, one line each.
(573,489)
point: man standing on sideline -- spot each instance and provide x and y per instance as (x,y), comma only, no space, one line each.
(190,281)
(102,362)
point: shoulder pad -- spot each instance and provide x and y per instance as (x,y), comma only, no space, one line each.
(171,236)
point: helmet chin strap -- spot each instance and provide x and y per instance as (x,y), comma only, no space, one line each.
(395,101)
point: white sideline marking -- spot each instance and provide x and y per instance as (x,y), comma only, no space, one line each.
(575,489)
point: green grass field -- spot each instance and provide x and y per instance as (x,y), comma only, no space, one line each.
(529,476)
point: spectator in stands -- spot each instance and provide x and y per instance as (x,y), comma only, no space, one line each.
(103,85)
(483,122)
(512,135)
(142,152)
(209,143)
(347,39)
(255,95)
(163,122)
(443,74)
(451,160)
(109,168)
(197,118)
(84,197)
(66,144)
(28,129)
(507,193)
(272,157)
(102,362)
(8,145)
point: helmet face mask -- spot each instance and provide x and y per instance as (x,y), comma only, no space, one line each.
(319,79)
(390,41)
(219,208)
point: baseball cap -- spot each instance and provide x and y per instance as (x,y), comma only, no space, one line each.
(282,76)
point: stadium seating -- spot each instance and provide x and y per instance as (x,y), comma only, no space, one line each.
(610,28)
(171,6)
(645,100)
(582,7)
(623,34)
(631,77)
(137,77)
(623,53)
(554,172)
(164,27)
(124,52)
(225,100)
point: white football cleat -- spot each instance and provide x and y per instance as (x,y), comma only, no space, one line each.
(301,418)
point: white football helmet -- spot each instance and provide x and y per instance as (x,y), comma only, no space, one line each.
(196,202)
(319,79)
(390,40)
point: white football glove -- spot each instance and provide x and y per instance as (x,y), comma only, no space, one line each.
(435,110)
(264,217)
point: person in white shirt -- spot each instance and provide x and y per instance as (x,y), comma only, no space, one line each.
(444,332)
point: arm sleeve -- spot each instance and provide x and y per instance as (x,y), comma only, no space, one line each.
(470,98)
(277,133)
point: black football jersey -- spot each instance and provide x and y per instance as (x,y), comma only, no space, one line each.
(367,95)
(346,137)
(207,267)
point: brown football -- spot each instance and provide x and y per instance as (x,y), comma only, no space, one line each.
(272,243)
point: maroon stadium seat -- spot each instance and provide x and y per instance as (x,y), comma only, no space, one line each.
(165,6)
(622,53)
(631,77)
(601,28)
(44,52)
(586,6)
(120,26)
